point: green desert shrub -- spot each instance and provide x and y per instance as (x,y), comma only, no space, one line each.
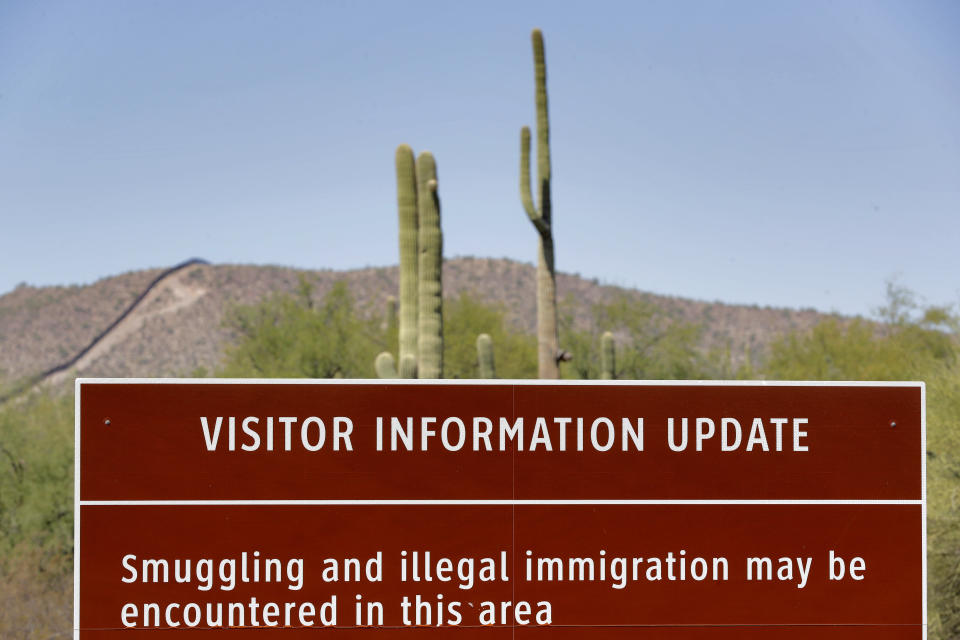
(908,343)
(943,500)
(649,345)
(36,475)
(36,516)
(465,318)
(290,336)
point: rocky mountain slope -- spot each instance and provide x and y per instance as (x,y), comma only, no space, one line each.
(178,327)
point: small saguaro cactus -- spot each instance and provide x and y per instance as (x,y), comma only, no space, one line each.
(607,355)
(390,321)
(385,366)
(485,356)
(548,351)
(384,363)
(430,318)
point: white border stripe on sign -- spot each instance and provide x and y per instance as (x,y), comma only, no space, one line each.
(418,502)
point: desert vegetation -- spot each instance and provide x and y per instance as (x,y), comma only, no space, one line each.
(308,334)
(36,517)
(909,343)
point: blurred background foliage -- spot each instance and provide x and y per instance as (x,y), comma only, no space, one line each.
(301,336)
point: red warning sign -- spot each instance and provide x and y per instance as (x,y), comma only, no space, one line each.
(652,510)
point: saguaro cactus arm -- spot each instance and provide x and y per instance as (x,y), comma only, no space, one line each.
(525,195)
(543,125)
(543,119)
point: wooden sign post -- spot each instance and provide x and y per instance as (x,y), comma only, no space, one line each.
(495,510)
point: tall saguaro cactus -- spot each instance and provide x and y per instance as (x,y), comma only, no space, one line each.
(409,257)
(548,352)
(430,318)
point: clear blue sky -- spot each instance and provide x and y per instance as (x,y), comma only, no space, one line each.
(790,154)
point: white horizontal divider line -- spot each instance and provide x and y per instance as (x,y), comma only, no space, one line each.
(416,502)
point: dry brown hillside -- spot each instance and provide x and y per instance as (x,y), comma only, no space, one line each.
(179,327)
